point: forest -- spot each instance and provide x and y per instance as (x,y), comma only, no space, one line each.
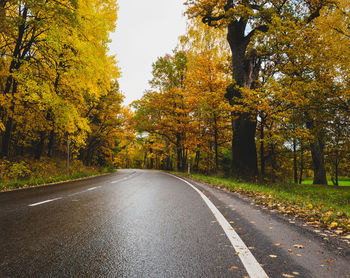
(256,90)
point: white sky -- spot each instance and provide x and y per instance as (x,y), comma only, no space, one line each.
(145,30)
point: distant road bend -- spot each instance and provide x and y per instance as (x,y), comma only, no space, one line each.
(138,223)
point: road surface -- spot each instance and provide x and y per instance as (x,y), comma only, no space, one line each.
(138,223)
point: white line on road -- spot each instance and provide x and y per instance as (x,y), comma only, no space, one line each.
(124,179)
(250,263)
(44,202)
(92,188)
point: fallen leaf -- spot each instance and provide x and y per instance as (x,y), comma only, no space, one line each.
(296,273)
(329,261)
(277,244)
(298,255)
(287,275)
(272,256)
(290,250)
(298,246)
(234,267)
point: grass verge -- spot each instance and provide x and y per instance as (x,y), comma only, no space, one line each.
(18,184)
(324,206)
(342,182)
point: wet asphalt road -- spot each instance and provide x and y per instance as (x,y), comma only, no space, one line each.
(139,223)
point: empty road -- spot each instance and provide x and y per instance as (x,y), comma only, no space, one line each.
(138,223)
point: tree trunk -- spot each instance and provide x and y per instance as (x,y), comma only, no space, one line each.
(318,162)
(145,160)
(11,82)
(295,161)
(6,138)
(245,73)
(301,162)
(262,149)
(152,159)
(336,172)
(317,153)
(196,161)
(179,154)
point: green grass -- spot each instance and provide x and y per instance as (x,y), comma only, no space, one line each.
(308,201)
(42,181)
(343,181)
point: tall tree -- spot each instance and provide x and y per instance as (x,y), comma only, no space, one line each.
(243,20)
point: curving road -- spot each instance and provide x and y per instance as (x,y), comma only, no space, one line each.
(139,223)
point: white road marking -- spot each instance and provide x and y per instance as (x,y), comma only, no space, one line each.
(87,190)
(44,202)
(124,179)
(51,200)
(118,180)
(250,263)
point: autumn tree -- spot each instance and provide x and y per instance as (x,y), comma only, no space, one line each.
(206,80)
(54,68)
(243,20)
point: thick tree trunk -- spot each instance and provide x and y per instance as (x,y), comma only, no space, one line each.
(245,73)
(318,162)
(317,153)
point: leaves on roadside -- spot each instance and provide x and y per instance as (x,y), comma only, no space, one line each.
(299,246)
(287,275)
(234,267)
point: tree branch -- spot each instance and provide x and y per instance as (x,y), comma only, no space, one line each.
(262,28)
(208,19)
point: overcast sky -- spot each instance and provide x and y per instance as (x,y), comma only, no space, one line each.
(145,30)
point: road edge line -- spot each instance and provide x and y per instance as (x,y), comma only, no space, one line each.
(250,263)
